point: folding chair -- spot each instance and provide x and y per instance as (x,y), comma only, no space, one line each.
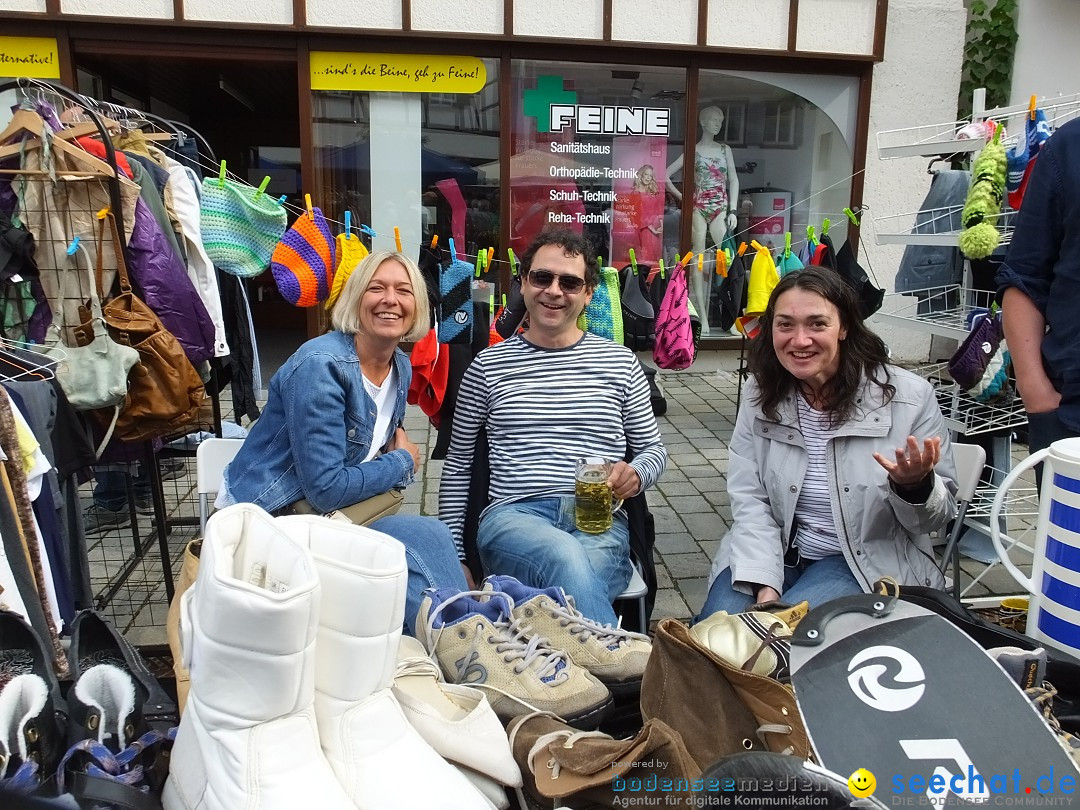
(969,460)
(211,458)
(636,591)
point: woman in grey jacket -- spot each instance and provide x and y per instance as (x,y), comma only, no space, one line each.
(840,464)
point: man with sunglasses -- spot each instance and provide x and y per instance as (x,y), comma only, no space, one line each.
(547,398)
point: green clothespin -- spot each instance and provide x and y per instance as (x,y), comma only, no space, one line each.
(262,185)
(851,215)
(825,226)
(810,234)
(633,261)
(221,175)
(513,262)
(600,263)
(504,300)
(480,256)
(787,244)
(662,272)
(491,303)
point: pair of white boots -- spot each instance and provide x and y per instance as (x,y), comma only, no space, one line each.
(291,633)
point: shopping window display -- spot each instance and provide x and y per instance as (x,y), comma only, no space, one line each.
(425,160)
(590,151)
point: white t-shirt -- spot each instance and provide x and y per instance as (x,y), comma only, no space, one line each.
(384,397)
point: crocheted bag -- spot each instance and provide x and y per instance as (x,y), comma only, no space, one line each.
(240,226)
(674,347)
(603,315)
(304,260)
(981,364)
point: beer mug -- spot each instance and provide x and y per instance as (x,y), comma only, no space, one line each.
(594,502)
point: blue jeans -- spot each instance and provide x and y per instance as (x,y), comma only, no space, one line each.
(431,557)
(1043,430)
(110,488)
(813,581)
(536,541)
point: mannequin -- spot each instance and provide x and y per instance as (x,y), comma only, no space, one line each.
(716,193)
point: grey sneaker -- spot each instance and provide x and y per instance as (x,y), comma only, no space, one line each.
(477,642)
(98,519)
(615,656)
(172,468)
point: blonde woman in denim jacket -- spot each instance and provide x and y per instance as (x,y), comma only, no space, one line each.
(840,464)
(316,439)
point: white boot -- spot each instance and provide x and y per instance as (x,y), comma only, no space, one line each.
(248,739)
(378,757)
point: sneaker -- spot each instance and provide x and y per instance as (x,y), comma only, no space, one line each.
(1028,669)
(478,642)
(615,656)
(172,468)
(98,519)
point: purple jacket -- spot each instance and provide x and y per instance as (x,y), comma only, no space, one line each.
(165,287)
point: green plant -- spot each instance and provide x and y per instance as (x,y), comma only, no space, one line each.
(988,52)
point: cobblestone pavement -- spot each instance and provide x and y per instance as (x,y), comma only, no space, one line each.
(690,504)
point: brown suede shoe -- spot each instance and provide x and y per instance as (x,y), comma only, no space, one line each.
(717,709)
(560,762)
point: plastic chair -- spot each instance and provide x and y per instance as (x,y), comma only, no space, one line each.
(969,460)
(211,458)
(636,591)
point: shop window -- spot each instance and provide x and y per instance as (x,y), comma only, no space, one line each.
(591,149)
(425,162)
(780,129)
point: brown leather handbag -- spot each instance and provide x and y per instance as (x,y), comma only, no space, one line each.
(164,390)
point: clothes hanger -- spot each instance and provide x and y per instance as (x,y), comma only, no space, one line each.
(30,123)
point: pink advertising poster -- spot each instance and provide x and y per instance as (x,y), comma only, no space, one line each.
(638,210)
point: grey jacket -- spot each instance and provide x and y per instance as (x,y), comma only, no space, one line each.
(881,534)
(927,266)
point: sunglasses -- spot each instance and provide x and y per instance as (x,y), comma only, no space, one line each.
(541,279)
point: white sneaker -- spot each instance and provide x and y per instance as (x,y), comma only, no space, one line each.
(615,656)
(457,721)
(476,640)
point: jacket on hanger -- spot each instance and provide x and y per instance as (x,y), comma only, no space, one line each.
(925,266)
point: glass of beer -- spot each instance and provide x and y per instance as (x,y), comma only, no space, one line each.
(594,502)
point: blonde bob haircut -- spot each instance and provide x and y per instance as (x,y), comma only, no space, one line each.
(346,314)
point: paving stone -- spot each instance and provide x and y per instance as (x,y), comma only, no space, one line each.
(717,498)
(688,505)
(687,565)
(710,547)
(667,521)
(680,488)
(663,578)
(704,526)
(676,544)
(698,471)
(670,605)
(694,591)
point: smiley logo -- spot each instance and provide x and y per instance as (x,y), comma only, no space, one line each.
(862,783)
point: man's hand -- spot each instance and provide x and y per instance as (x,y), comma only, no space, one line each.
(913,463)
(400,441)
(624,481)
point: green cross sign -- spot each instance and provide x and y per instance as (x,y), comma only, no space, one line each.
(537,103)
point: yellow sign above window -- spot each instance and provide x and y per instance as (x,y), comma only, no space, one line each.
(33,57)
(396,72)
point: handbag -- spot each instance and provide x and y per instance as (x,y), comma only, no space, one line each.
(363,513)
(603,315)
(675,347)
(164,390)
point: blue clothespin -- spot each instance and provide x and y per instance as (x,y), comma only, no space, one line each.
(453,252)
(73,246)
(348,224)
(366,230)
(281,200)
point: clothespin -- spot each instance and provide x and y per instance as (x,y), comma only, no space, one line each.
(397,238)
(307,204)
(787,244)
(491,303)
(434,241)
(504,299)
(701,262)
(633,261)
(453,252)
(104,212)
(851,215)
(364,229)
(1031,108)
(281,200)
(221,175)
(810,233)
(479,262)
(513,261)
(263,185)
(686,259)
(662,269)
(721,263)
(756,245)
(73,246)
(348,224)
(490,256)
(742,249)
(600,262)
(825,223)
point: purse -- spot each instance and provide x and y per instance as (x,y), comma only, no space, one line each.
(981,364)
(363,513)
(603,315)
(164,390)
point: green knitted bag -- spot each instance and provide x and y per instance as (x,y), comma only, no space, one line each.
(240,226)
(603,315)
(980,237)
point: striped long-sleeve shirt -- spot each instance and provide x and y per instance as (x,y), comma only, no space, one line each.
(544,409)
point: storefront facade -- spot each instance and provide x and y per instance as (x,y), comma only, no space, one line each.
(661,126)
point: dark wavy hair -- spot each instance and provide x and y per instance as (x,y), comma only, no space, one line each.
(573,244)
(862,352)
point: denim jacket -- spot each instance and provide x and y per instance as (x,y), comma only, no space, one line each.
(314,432)
(1043,261)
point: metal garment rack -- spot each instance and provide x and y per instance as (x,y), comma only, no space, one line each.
(119,578)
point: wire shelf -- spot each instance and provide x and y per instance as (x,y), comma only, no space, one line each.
(963,414)
(945,311)
(927,140)
(934,226)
